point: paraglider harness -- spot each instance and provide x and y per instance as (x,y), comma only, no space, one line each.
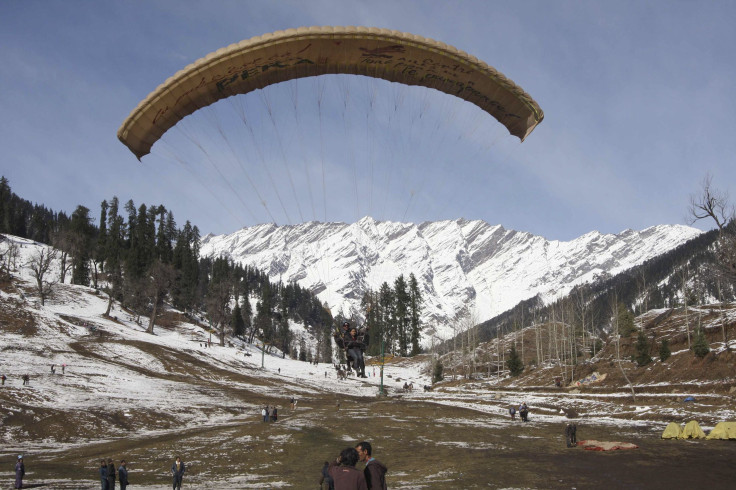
(345,341)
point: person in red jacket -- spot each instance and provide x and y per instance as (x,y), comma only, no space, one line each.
(343,471)
(375,471)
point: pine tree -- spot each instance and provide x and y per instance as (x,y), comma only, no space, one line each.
(700,346)
(664,350)
(625,321)
(238,322)
(642,350)
(81,231)
(415,310)
(401,298)
(514,362)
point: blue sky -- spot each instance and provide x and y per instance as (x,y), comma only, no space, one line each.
(638,100)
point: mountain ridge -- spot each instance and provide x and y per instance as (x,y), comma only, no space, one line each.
(461,265)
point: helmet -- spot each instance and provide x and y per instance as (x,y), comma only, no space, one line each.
(346,324)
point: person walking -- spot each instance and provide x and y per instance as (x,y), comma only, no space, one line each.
(103,475)
(375,471)
(26,379)
(20,472)
(512,412)
(123,475)
(3,378)
(110,475)
(264,414)
(177,472)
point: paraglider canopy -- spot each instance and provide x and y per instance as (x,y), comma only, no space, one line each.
(311,51)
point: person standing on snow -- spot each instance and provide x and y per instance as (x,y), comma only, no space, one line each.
(123,475)
(177,471)
(110,475)
(20,472)
(103,475)
(375,471)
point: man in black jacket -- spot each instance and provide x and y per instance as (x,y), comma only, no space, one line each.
(375,471)
(110,475)
(177,472)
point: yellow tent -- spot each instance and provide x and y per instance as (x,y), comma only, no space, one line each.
(692,431)
(723,430)
(672,431)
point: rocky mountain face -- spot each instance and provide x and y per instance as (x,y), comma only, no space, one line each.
(462,267)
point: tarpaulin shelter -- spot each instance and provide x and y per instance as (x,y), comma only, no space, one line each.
(723,430)
(692,430)
(672,431)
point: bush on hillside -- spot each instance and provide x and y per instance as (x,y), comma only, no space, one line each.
(700,347)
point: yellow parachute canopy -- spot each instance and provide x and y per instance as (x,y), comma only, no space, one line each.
(311,51)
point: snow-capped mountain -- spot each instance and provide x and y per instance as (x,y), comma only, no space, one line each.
(460,265)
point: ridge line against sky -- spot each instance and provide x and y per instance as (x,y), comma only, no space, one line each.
(637,96)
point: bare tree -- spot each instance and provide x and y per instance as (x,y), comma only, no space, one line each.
(162,277)
(710,203)
(218,307)
(40,265)
(617,335)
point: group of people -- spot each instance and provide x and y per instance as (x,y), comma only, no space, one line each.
(354,342)
(269,413)
(341,474)
(107,474)
(523,412)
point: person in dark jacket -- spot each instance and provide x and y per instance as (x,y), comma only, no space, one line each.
(103,475)
(375,471)
(110,475)
(177,472)
(325,482)
(20,472)
(355,347)
(344,473)
(123,475)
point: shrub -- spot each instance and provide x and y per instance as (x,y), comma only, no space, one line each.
(514,362)
(700,347)
(642,350)
(664,350)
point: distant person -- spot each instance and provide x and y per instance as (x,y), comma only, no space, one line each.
(275,414)
(123,475)
(375,471)
(512,412)
(26,379)
(344,473)
(20,472)
(63,368)
(3,378)
(103,475)
(177,472)
(53,369)
(524,412)
(110,475)
(264,414)
(571,435)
